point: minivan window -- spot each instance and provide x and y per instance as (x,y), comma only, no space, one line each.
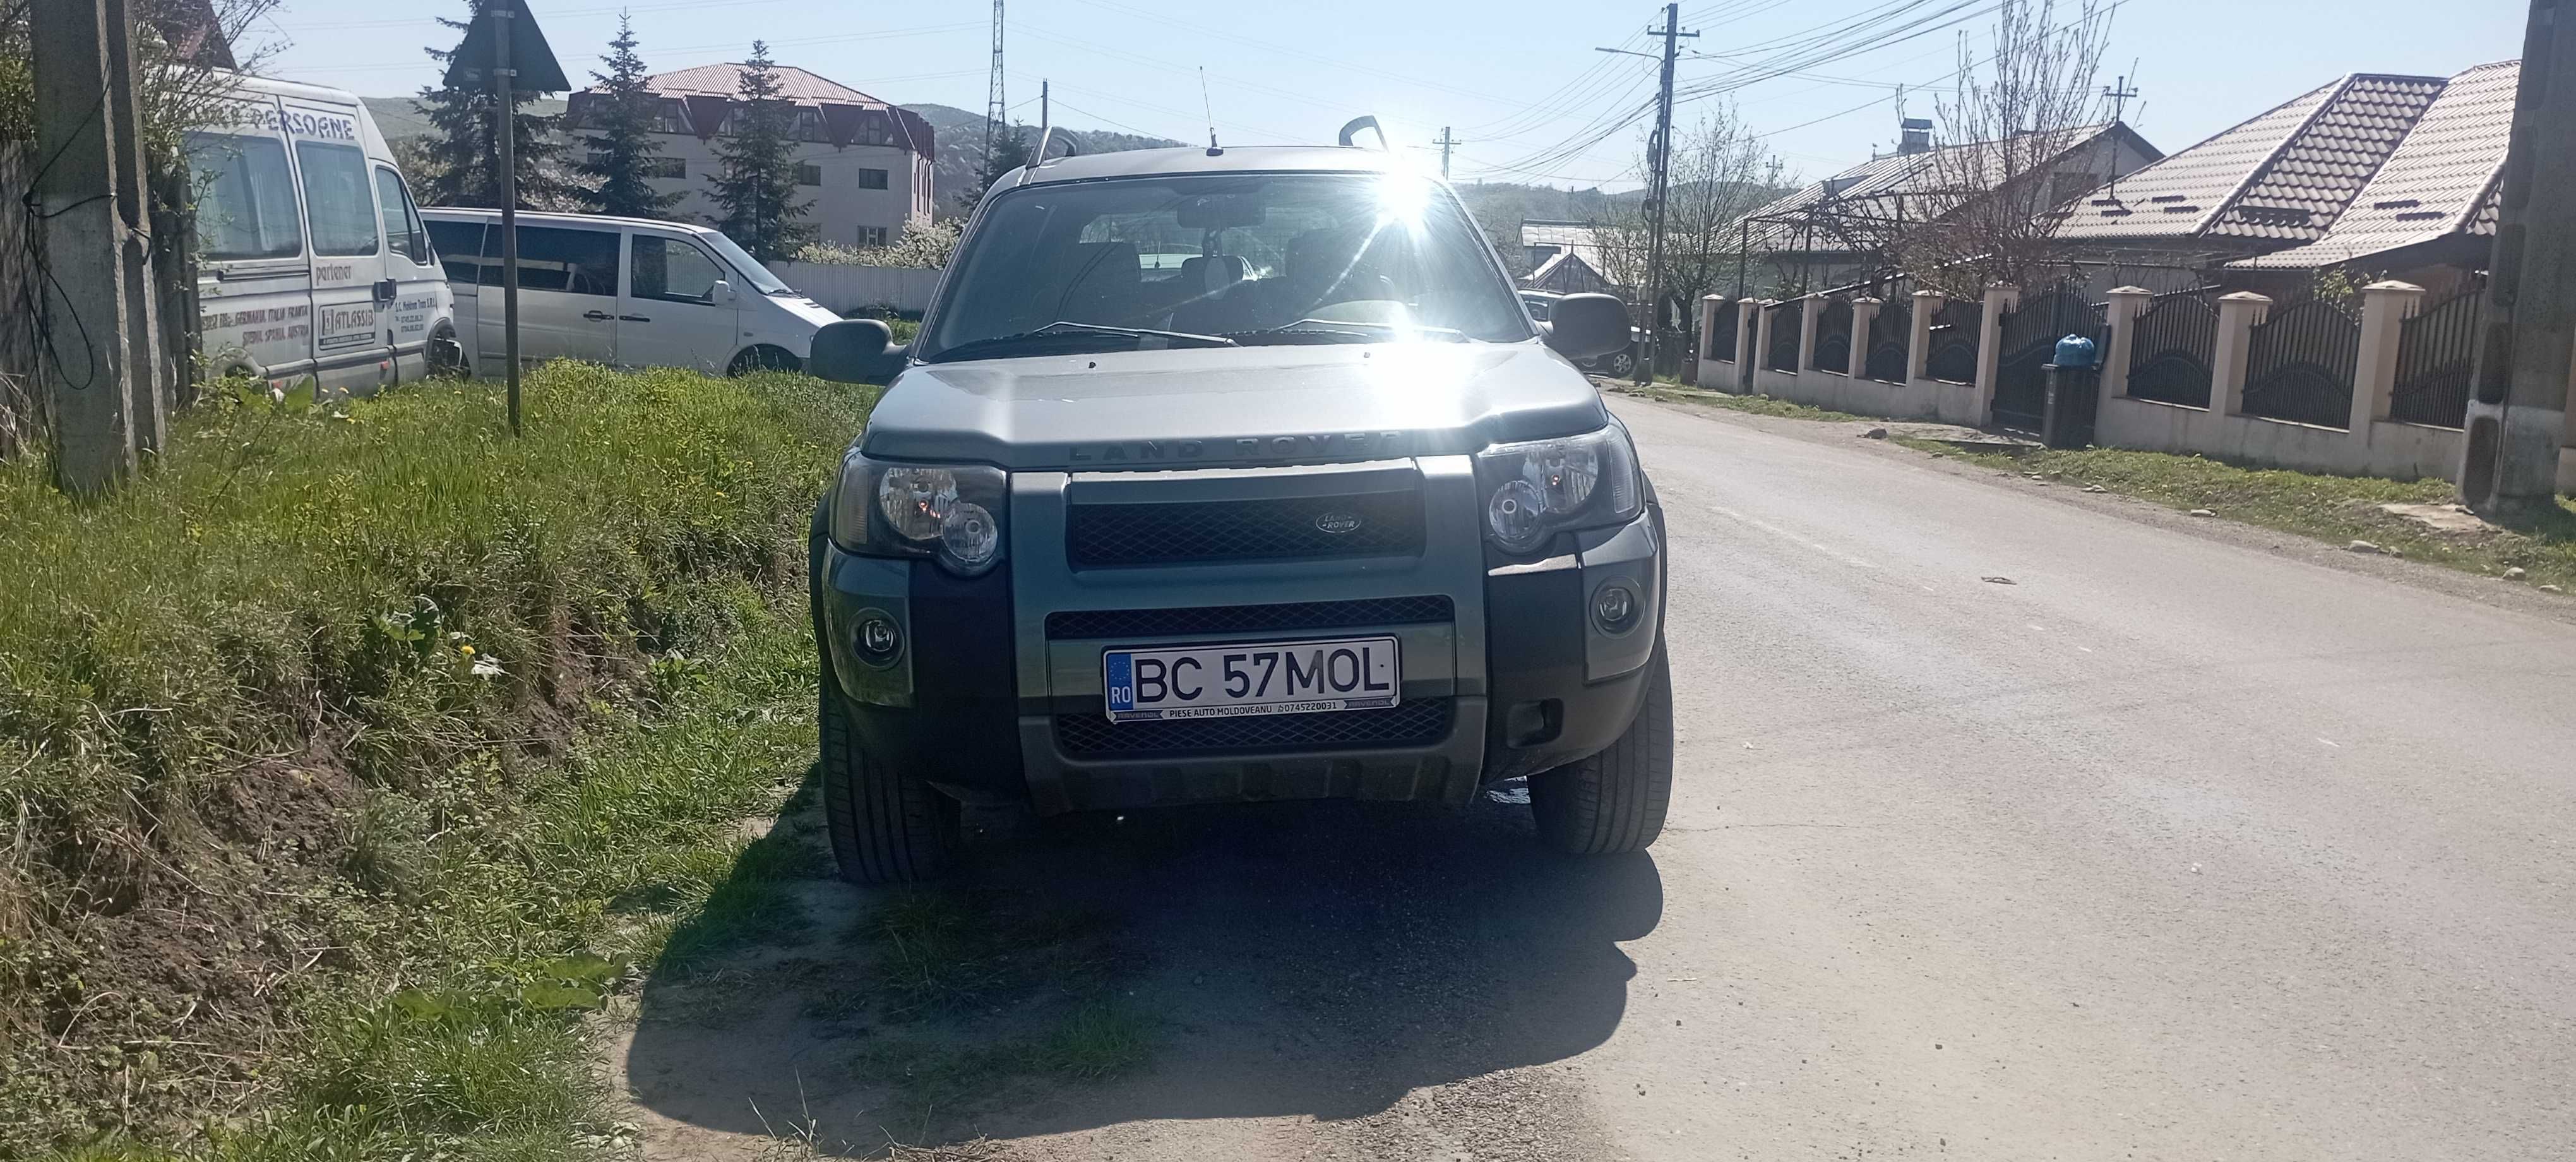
(667,268)
(582,262)
(336,198)
(460,249)
(402,222)
(245,197)
(744,265)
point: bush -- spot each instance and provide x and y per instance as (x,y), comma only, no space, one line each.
(241,699)
(928,246)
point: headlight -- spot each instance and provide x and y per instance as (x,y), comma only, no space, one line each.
(951,512)
(1535,490)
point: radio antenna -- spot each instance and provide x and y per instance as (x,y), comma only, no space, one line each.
(1210,106)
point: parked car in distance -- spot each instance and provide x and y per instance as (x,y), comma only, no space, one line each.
(1319,513)
(1618,364)
(313,258)
(633,292)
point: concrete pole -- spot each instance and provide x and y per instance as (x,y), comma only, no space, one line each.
(1864,312)
(1748,312)
(2518,403)
(1810,309)
(2385,307)
(2001,299)
(2238,315)
(1763,318)
(505,129)
(1918,332)
(1703,358)
(152,390)
(81,284)
(2126,304)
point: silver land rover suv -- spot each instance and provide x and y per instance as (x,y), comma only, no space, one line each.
(1227,476)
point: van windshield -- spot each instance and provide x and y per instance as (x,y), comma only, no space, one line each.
(1234,258)
(752,272)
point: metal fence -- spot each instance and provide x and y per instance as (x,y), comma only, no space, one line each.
(1953,354)
(2170,356)
(1834,336)
(1889,331)
(2300,364)
(1721,333)
(2028,341)
(2436,350)
(1783,355)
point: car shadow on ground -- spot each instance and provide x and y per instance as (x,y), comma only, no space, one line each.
(1290,959)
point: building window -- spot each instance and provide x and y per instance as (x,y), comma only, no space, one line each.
(872,235)
(809,125)
(670,116)
(871,179)
(808,174)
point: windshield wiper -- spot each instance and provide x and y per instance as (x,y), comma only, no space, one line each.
(1067,333)
(1342,331)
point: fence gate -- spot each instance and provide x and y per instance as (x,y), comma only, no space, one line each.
(2169,357)
(2028,339)
(2299,365)
(1834,336)
(1953,355)
(1888,333)
(1784,339)
(2435,352)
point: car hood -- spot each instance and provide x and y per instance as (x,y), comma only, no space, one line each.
(1188,407)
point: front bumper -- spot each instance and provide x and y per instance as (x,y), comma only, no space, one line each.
(996,693)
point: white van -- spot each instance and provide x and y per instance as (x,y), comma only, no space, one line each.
(315,262)
(629,291)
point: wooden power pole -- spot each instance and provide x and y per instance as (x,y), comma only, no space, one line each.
(2518,402)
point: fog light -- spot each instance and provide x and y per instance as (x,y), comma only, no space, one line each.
(879,641)
(1614,608)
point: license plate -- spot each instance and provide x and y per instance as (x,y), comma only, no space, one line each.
(1278,678)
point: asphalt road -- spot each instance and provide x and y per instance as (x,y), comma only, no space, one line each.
(2188,843)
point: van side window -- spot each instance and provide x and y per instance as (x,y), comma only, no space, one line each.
(667,268)
(246,199)
(460,249)
(582,262)
(336,198)
(402,222)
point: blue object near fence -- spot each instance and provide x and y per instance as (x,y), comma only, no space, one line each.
(2075,351)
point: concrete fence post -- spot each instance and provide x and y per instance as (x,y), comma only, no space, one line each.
(1918,333)
(1747,317)
(1702,365)
(2001,298)
(1864,312)
(1763,318)
(2237,316)
(2385,307)
(2127,303)
(1810,309)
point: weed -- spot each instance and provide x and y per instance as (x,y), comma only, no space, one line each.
(1759,405)
(947,951)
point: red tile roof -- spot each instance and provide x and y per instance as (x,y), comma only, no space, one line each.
(725,80)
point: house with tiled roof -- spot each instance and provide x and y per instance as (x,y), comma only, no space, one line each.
(865,163)
(1841,229)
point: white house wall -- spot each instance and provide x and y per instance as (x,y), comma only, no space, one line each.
(840,207)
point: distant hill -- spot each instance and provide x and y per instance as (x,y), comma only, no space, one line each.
(399,121)
(961,146)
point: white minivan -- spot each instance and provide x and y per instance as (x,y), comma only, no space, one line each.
(315,261)
(634,292)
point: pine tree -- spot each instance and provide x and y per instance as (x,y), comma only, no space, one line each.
(756,181)
(1011,147)
(622,141)
(466,159)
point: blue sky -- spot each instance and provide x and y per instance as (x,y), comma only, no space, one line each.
(1517,79)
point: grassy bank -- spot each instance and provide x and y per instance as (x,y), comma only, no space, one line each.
(1667,391)
(2335,509)
(355,749)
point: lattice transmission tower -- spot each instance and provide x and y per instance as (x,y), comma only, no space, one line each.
(993,89)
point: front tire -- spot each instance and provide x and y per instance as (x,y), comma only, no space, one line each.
(1614,801)
(887,826)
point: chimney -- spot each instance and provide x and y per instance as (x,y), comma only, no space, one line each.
(1914,135)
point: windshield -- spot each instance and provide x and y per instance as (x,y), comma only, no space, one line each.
(749,268)
(1254,258)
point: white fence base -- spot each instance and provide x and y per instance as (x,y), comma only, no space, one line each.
(844,289)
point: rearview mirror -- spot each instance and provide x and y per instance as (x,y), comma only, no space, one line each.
(720,291)
(1583,326)
(849,351)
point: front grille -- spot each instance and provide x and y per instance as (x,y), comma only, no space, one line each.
(1421,720)
(1204,532)
(1091,623)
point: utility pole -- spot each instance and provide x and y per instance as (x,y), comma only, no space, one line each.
(1663,151)
(102,345)
(505,134)
(1445,142)
(993,110)
(2518,400)
(2118,92)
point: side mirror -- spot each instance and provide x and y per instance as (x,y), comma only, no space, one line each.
(1584,326)
(849,351)
(720,291)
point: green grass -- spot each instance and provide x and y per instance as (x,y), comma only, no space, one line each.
(1760,405)
(2335,509)
(352,753)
